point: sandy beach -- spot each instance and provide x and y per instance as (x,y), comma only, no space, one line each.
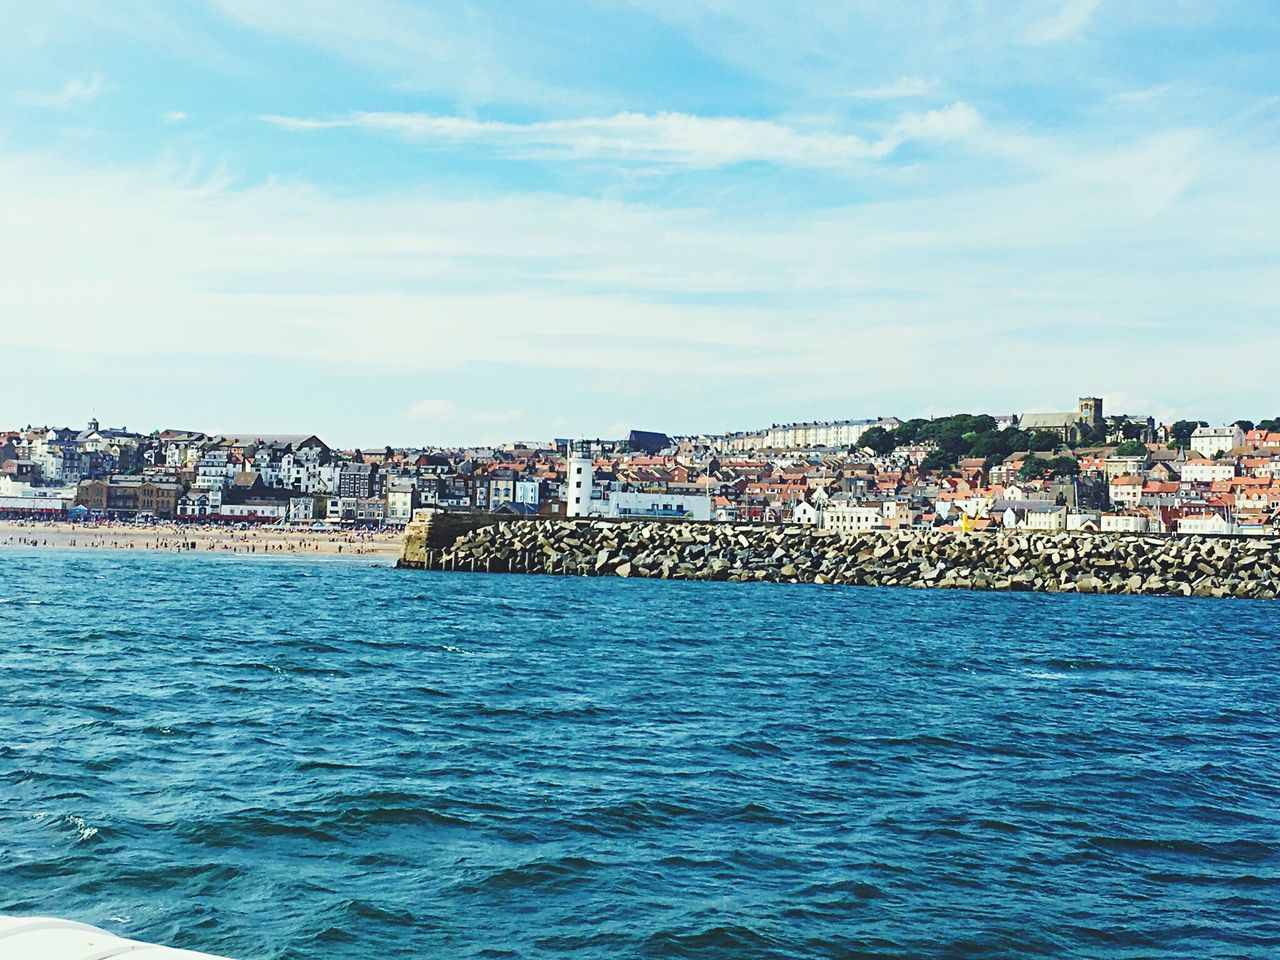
(197,538)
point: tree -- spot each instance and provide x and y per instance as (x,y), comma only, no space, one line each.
(1094,433)
(908,432)
(937,460)
(1033,468)
(1064,466)
(1183,429)
(1245,425)
(1042,441)
(879,440)
(1132,448)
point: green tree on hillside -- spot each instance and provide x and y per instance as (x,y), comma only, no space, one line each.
(880,440)
(1033,468)
(1042,441)
(1064,466)
(1182,430)
(1132,448)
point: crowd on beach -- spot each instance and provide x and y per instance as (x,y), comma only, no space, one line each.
(177,538)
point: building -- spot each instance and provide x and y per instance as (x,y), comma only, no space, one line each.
(1208,471)
(1205,524)
(1208,441)
(674,506)
(1045,518)
(303,508)
(359,480)
(1070,428)
(841,517)
(646,441)
(1126,491)
(199,502)
(1124,523)
(403,498)
(806,514)
(127,497)
(257,510)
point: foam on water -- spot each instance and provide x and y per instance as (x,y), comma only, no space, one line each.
(286,758)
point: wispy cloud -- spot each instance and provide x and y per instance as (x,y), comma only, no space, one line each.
(433,409)
(446,413)
(1142,96)
(900,89)
(677,139)
(173,116)
(1069,21)
(75,90)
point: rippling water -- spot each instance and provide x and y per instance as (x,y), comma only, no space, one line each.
(275,758)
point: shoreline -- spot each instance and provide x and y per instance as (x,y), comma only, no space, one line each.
(202,539)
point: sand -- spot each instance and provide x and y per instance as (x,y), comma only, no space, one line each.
(263,541)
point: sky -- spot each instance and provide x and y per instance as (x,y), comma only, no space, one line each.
(402,223)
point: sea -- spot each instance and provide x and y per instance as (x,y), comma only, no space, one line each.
(330,758)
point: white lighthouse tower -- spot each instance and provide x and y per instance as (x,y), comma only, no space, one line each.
(579,475)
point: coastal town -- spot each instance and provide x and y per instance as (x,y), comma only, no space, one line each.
(1081,470)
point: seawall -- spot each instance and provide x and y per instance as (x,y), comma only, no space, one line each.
(1050,562)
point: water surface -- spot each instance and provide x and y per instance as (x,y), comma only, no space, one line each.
(329,759)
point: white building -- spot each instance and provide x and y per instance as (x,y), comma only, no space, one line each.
(1211,524)
(269,510)
(628,504)
(302,509)
(1124,523)
(1208,471)
(200,502)
(1047,519)
(805,514)
(1083,521)
(851,518)
(1207,441)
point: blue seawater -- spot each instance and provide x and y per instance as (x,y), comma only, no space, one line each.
(330,759)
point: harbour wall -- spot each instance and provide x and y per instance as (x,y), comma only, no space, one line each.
(1243,567)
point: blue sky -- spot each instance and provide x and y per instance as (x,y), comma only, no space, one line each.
(395,222)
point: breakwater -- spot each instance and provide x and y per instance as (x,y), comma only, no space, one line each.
(1011,560)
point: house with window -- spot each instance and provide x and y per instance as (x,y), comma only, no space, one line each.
(199,503)
(1208,441)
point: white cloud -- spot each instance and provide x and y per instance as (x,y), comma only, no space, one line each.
(433,410)
(76,90)
(1068,22)
(173,116)
(1106,256)
(663,138)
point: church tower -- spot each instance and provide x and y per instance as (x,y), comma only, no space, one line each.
(1090,411)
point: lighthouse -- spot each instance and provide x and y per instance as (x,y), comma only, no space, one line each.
(579,475)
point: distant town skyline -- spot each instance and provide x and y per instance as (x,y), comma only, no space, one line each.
(620,431)
(401,223)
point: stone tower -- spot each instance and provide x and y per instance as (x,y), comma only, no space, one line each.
(1090,411)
